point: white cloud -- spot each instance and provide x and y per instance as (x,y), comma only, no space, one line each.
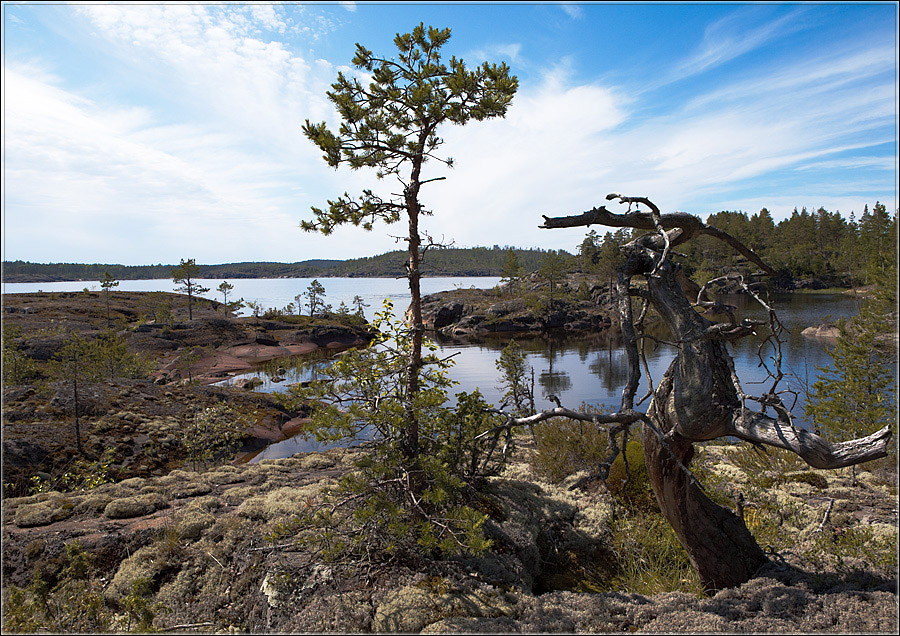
(733,36)
(219,170)
(572,10)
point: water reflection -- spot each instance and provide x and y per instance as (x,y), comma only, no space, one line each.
(592,369)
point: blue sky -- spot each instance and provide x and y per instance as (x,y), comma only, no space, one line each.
(147,133)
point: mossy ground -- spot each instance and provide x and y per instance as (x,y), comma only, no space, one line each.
(220,554)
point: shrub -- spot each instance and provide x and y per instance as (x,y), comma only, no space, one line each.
(629,482)
(395,503)
(565,446)
(213,434)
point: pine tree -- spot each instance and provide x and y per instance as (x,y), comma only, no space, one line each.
(391,125)
(856,394)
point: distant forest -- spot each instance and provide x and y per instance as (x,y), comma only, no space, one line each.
(819,248)
(473,261)
(808,249)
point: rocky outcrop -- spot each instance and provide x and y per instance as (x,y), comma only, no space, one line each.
(479,313)
(201,543)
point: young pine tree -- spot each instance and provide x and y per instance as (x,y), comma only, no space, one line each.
(856,394)
(391,125)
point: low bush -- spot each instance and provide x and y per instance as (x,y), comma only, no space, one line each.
(565,446)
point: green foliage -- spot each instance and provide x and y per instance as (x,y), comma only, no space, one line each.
(70,600)
(184,276)
(822,244)
(516,380)
(18,368)
(398,505)
(512,271)
(649,558)
(80,474)
(628,481)
(552,270)
(315,297)
(854,549)
(855,396)
(392,123)
(213,434)
(765,466)
(565,446)
(448,261)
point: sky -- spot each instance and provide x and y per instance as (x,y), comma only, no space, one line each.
(146,133)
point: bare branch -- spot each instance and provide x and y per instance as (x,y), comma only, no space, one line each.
(815,450)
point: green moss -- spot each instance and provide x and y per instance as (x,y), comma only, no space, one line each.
(136,506)
(630,485)
(44,513)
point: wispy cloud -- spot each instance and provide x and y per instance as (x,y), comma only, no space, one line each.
(572,10)
(213,164)
(733,36)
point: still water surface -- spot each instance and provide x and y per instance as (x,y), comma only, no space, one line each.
(586,369)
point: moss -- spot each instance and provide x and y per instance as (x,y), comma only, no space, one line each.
(150,563)
(238,494)
(221,477)
(44,513)
(192,522)
(136,506)
(282,502)
(190,489)
(207,503)
(316,462)
(93,504)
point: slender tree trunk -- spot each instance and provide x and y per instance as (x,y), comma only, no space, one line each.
(75,407)
(414,364)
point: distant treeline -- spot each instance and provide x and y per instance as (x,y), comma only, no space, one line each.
(807,249)
(473,261)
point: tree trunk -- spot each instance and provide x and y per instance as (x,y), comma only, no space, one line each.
(416,326)
(699,398)
(717,541)
(693,402)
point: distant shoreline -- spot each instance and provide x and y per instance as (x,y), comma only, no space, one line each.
(446,262)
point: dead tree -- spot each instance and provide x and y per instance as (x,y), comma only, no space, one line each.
(699,398)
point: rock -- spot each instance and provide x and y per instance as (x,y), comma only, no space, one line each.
(446,315)
(247,383)
(823,332)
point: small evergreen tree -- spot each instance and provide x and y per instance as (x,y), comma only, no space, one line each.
(315,297)
(106,284)
(516,380)
(225,288)
(360,305)
(552,270)
(184,276)
(512,271)
(362,397)
(855,396)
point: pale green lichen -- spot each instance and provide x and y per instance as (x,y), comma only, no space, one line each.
(45,512)
(139,505)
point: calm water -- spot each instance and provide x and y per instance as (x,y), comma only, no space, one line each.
(279,292)
(589,369)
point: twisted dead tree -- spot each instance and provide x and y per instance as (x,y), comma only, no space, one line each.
(699,398)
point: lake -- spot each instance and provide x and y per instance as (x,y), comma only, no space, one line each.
(580,370)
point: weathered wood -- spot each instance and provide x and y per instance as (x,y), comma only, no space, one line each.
(700,398)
